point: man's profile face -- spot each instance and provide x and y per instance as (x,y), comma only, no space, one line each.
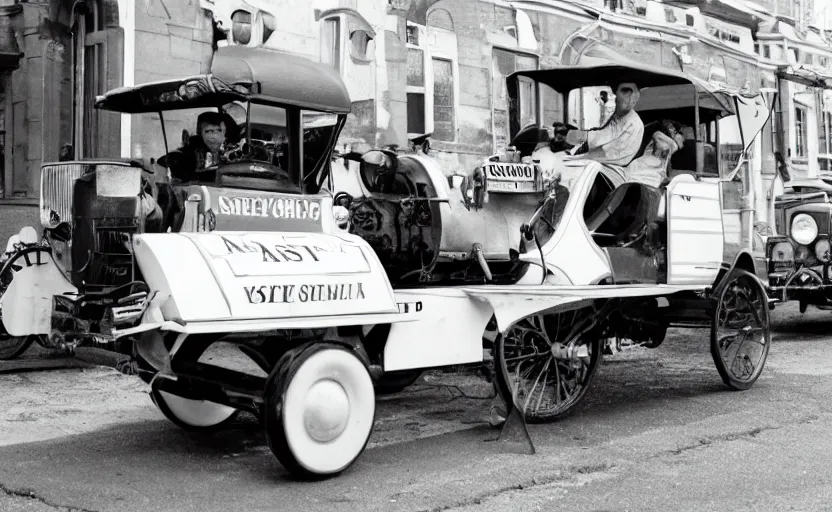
(213,135)
(624,100)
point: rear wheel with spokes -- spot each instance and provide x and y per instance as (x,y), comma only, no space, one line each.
(545,363)
(740,333)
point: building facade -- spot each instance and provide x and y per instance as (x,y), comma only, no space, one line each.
(411,67)
(67,52)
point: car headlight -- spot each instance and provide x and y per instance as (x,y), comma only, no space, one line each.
(822,250)
(804,229)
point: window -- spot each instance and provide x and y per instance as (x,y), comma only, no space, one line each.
(416,90)
(331,42)
(360,44)
(241,26)
(443,100)
(825,142)
(431,81)
(800,132)
(730,144)
(504,63)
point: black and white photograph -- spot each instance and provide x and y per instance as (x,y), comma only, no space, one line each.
(415,255)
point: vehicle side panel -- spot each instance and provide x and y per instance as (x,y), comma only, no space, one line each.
(241,276)
(448,330)
(695,231)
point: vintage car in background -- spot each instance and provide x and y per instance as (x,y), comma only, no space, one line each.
(799,255)
(330,276)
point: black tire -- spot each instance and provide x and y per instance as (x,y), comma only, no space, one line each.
(13,346)
(394,382)
(564,408)
(285,415)
(742,295)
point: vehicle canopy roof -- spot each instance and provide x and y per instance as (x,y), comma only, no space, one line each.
(661,88)
(239,73)
(664,92)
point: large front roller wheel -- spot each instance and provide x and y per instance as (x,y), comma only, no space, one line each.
(740,332)
(546,364)
(319,410)
(192,415)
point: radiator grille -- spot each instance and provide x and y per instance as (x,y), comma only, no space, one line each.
(56,181)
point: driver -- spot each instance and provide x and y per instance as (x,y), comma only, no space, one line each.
(617,142)
(209,145)
(199,152)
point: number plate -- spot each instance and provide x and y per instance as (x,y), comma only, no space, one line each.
(511,186)
(511,177)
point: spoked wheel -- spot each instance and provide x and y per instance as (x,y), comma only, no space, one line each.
(740,333)
(13,346)
(547,364)
(189,414)
(319,410)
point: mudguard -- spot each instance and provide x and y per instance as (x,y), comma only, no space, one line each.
(513,303)
(27,302)
(231,281)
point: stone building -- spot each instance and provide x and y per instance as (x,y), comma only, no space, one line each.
(411,66)
(416,66)
(56,55)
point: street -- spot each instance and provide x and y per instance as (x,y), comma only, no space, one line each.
(657,431)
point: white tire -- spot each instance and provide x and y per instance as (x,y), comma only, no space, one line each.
(192,414)
(319,410)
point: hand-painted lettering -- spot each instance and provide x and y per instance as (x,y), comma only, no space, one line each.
(504,171)
(277,207)
(278,253)
(410,307)
(286,294)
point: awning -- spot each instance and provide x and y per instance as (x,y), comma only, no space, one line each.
(805,76)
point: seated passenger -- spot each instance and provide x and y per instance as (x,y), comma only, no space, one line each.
(617,142)
(651,167)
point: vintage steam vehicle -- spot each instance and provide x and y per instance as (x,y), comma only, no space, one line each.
(331,275)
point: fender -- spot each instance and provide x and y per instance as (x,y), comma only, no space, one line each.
(242,281)
(744,260)
(27,302)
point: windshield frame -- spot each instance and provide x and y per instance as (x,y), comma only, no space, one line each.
(304,181)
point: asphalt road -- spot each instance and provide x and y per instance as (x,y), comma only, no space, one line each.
(658,431)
